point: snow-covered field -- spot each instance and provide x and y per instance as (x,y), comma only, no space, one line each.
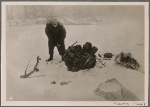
(23,42)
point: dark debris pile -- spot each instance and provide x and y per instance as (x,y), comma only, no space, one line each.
(79,58)
(108,55)
(127,60)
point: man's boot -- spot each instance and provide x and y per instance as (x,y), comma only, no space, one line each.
(50,58)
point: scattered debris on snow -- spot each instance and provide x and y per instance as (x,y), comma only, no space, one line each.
(127,60)
(112,90)
(35,69)
(53,82)
(108,55)
(64,83)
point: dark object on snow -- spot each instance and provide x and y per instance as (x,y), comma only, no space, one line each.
(108,55)
(87,47)
(127,60)
(53,82)
(35,69)
(77,58)
(99,55)
(64,83)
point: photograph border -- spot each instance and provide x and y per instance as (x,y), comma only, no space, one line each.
(71,103)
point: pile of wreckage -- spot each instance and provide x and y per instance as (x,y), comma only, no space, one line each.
(79,58)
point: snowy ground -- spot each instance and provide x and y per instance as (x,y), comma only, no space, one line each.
(23,42)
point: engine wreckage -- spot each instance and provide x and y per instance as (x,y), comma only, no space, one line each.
(79,58)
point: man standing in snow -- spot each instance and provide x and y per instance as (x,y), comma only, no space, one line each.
(56,34)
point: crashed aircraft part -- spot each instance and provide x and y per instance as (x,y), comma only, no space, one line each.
(127,60)
(35,69)
(112,90)
(108,55)
(79,58)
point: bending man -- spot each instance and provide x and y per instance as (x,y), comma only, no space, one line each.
(56,34)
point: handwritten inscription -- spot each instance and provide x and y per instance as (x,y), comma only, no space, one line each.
(121,103)
(129,103)
(139,103)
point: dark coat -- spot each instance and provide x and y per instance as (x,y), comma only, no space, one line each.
(55,35)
